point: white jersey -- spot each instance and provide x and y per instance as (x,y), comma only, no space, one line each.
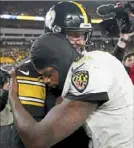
(111,125)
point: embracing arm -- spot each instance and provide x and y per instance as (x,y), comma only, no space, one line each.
(59,123)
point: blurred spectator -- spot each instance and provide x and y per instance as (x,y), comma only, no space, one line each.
(128,60)
(11,55)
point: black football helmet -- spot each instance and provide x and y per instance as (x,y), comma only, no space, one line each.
(68,16)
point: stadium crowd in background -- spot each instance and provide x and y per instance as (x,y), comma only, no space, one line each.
(37,9)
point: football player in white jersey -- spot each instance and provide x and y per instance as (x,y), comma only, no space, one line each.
(100,79)
(98,94)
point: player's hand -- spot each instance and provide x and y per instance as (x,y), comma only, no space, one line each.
(58,100)
(126,36)
(6,86)
(13,89)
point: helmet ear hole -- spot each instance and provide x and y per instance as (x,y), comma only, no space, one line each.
(56,29)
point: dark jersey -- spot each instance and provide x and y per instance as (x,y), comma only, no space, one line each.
(32,90)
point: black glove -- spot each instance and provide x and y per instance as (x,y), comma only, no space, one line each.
(3,98)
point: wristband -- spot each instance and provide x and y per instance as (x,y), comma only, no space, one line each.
(121,44)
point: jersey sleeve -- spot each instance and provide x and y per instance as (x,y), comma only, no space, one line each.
(88,82)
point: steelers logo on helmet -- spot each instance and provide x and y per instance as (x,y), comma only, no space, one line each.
(80,80)
(49,19)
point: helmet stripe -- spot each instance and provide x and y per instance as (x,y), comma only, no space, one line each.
(82,11)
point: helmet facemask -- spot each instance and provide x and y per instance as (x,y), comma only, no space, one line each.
(79,40)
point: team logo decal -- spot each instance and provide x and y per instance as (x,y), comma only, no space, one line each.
(50,17)
(80,80)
